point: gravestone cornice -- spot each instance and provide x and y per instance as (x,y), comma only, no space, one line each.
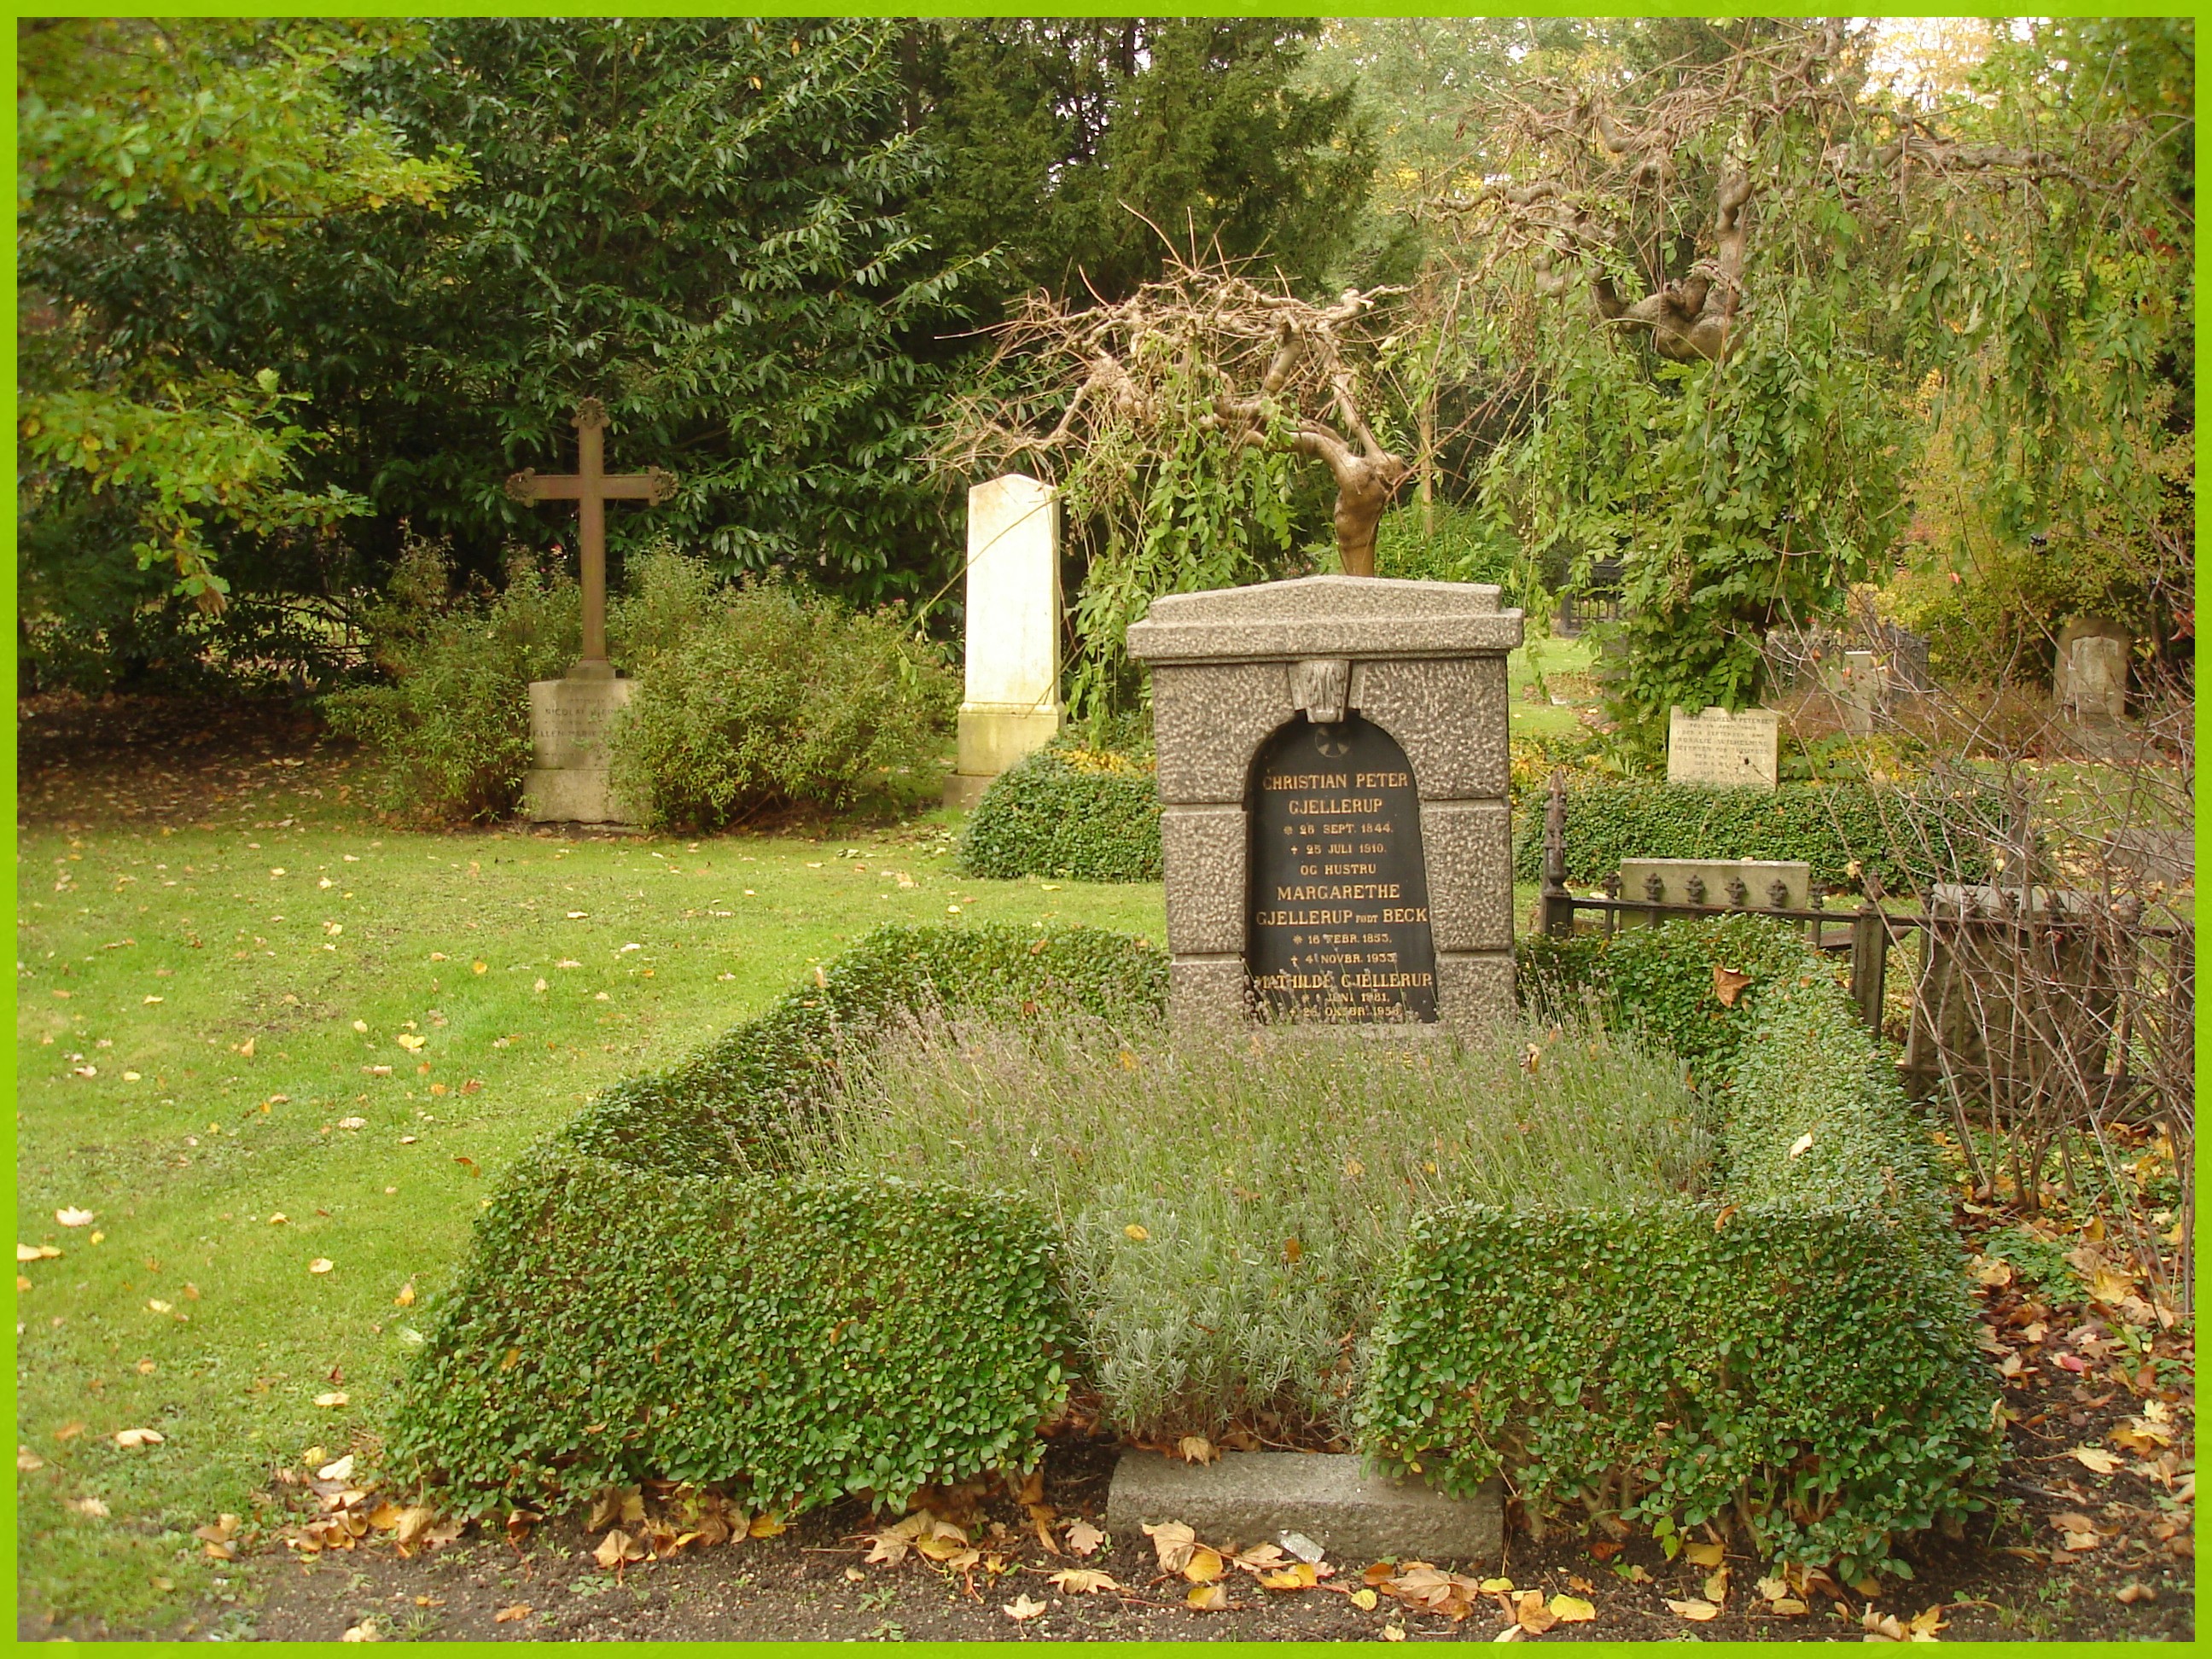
(1369,617)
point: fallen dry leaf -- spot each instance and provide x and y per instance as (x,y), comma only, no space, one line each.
(1803,1144)
(1204,1566)
(1701,1611)
(364,1632)
(1363,1598)
(406,1296)
(1207,1598)
(1572,1610)
(1704,1555)
(1022,1609)
(616,1548)
(1082,1581)
(74,1218)
(1298,1576)
(2133,1592)
(95,1509)
(1530,1613)
(1727,984)
(520,1610)
(128,1438)
(1196,1449)
(2096,1459)
(766,1525)
(1172,1542)
(321,1264)
(35,1252)
(334,1397)
(1083,1538)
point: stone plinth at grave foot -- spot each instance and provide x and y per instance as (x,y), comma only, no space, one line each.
(994,737)
(568,781)
(1353,1514)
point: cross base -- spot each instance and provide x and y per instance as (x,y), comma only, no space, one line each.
(590,668)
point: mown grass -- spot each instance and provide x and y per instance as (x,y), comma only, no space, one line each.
(202,1010)
(1230,1210)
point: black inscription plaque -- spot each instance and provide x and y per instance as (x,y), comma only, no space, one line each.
(1340,907)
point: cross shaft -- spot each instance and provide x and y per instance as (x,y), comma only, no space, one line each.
(592,487)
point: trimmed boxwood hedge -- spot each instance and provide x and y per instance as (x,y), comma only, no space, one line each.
(650,1293)
(788,1342)
(1087,815)
(724,1107)
(1797,1351)
(1908,840)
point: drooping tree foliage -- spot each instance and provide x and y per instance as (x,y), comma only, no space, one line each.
(1735,272)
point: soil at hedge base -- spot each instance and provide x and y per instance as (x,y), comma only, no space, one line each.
(2009,1580)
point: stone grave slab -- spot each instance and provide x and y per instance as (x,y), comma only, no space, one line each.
(1716,750)
(2089,680)
(1354,1515)
(1012,705)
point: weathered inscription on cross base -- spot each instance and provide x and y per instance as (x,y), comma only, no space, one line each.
(1339,899)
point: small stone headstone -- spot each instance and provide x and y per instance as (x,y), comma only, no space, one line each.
(2091,678)
(568,781)
(1012,703)
(1716,750)
(1860,688)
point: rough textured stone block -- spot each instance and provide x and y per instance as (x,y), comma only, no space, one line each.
(1468,848)
(572,794)
(1204,851)
(1207,992)
(1253,1498)
(1450,716)
(1474,989)
(1208,718)
(1325,616)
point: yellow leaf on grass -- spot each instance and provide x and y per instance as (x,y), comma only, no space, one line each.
(1207,1598)
(1804,1144)
(520,1610)
(1136,1232)
(321,1264)
(1572,1610)
(74,1218)
(35,1252)
(334,1397)
(406,1296)
(1699,1612)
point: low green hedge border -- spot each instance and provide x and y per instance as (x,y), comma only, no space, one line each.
(1796,1354)
(790,1342)
(649,1294)
(1906,839)
(1081,814)
(723,1107)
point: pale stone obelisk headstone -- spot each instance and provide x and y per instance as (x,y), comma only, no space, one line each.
(1012,704)
(569,717)
(1716,750)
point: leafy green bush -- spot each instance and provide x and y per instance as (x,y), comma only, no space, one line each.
(789,1341)
(1233,1284)
(1463,546)
(451,728)
(1089,815)
(732,1105)
(1907,838)
(765,695)
(1795,1353)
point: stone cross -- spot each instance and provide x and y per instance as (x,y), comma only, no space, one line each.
(592,487)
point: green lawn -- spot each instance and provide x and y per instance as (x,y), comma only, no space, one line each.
(355,1031)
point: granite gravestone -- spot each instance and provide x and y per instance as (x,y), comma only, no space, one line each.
(1340,901)
(1333,772)
(1715,749)
(1012,705)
